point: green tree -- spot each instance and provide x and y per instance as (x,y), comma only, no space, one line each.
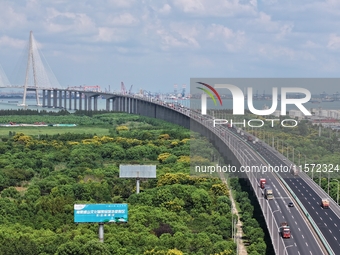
(70,248)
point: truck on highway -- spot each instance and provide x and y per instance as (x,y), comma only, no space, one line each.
(268,192)
(285,230)
(325,203)
(262,182)
(295,170)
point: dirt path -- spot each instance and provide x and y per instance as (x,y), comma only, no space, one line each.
(241,249)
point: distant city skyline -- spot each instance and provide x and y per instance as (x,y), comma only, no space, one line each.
(154,45)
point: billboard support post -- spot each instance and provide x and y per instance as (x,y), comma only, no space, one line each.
(138,172)
(101,232)
(137,185)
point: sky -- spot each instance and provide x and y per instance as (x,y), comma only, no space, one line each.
(157,44)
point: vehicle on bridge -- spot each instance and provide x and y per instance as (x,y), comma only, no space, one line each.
(295,170)
(285,230)
(268,192)
(325,203)
(262,182)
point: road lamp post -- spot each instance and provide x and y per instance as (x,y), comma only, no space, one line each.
(287,151)
(328,184)
(286,247)
(337,194)
(235,221)
(273,220)
(264,136)
(278,238)
(293,154)
(232,222)
(320,179)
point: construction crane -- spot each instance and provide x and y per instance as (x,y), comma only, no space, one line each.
(122,88)
(183,91)
(130,89)
(175,89)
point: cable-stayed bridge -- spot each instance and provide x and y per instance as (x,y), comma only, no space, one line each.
(38,75)
(4,82)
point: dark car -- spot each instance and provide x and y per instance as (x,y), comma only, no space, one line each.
(290,204)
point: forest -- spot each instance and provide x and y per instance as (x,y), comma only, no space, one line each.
(45,171)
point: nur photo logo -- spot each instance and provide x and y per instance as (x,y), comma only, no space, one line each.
(204,96)
(239,99)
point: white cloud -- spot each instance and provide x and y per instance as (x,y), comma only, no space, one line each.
(217,8)
(281,53)
(311,45)
(187,33)
(253,3)
(301,38)
(233,41)
(9,18)
(264,21)
(109,34)
(124,19)
(284,31)
(77,23)
(190,5)
(6,41)
(166,9)
(122,3)
(169,41)
(333,42)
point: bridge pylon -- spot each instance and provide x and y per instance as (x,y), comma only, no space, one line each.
(31,63)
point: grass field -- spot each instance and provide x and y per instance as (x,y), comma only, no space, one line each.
(35,131)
